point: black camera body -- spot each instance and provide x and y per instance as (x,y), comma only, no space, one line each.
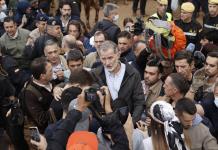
(92,97)
(91,93)
(139,26)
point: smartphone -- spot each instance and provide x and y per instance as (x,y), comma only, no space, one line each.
(143,116)
(34,133)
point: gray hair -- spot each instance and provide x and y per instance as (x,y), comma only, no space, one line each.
(106,45)
(108,8)
(68,41)
(50,42)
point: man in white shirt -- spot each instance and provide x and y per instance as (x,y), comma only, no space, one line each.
(123,80)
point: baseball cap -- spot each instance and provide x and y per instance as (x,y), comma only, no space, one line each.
(53,21)
(41,17)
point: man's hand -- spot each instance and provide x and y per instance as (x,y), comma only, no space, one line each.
(80,45)
(141,125)
(41,145)
(57,93)
(60,74)
(23,21)
(30,41)
(82,104)
(105,100)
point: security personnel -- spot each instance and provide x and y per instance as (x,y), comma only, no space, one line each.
(210,21)
(53,32)
(41,22)
(161,11)
(190,27)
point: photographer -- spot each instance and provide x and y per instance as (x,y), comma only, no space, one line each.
(110,123)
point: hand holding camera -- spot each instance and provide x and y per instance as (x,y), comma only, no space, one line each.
(82,103)
(105,99)
(99,99)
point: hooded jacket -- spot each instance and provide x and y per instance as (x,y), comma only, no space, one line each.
(22,6)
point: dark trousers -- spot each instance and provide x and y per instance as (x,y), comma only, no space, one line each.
(142,6)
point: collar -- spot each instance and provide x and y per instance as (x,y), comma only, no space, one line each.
(65,22)
(153,88)
(48,87)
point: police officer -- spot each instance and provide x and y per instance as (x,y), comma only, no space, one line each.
(53,32)
(41,22)
(190,27)
(161,11)
(210,21)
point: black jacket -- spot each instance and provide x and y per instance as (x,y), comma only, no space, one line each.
(38,49)
(111,29)
(130,90)
(62,133)
(191,31)
(7,90)
(129,57)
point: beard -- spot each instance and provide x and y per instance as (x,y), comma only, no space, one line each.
(113,67)
(66,16)
(150,83)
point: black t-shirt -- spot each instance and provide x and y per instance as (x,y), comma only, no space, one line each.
(210,23)
(191,30)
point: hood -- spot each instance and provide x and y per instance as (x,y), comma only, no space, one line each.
(22,6)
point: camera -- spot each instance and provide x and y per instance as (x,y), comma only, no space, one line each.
(91,93)
(35,135)
(92,97)
(139,26)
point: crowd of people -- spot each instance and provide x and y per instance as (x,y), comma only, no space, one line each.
(151,84)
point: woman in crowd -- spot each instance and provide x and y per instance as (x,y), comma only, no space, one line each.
(76,29)
(128,24)
(166,131)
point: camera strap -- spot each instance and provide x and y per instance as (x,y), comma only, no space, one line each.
(95,112)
